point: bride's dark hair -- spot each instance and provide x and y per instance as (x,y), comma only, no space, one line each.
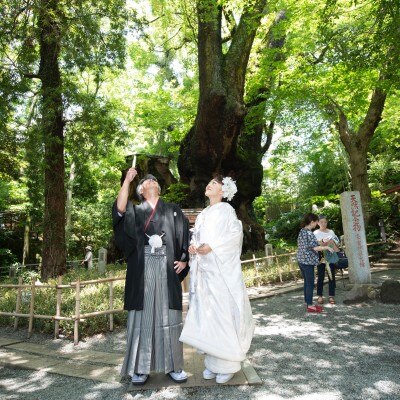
(218,178)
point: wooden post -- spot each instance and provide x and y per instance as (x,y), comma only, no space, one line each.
(256,271)
(293,268)
(31,308)
(77,310)
(58,308)
(279,268)
(18,304)
(111,305)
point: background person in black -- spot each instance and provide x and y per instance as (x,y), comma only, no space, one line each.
(154,238)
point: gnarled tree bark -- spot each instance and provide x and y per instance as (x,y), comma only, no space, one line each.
(218,142)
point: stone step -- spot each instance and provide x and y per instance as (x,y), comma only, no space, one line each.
(389,260)
(397,250)
(393,255)
(386,265)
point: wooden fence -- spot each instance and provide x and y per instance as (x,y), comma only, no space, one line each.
(59,287)
(259,264)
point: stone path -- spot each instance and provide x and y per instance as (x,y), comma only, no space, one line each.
(105,367)
(274,367)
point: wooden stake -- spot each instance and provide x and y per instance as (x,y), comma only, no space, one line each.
(279,269)
(256,271)
(111,305)
(18,304)
(293,269)
(58,308)
(77,311)
(31,308)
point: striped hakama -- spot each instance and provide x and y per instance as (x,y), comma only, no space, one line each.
(153,333)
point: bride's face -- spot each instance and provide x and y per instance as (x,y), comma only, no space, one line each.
(214,189)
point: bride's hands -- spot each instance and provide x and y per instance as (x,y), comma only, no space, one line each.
(192,249)
(203,249)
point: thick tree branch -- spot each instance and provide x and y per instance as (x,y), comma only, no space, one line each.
(209,47)
(374,115)
(340,121)
(238,54)
(343,128)
(269,132)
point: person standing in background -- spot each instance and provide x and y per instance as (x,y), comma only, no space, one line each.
(307,257)
(88,261)
(326,237)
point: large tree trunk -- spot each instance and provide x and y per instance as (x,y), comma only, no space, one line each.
(54,251)
(219,142)
(357,143)
(210,146)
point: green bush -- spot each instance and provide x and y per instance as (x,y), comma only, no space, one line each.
(7,258)
(284,231)
(177,193)
(384,208)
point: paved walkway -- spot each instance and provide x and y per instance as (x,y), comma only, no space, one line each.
(348,352)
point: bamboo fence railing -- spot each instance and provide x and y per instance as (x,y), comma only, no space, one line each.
(258,263)
(59,287)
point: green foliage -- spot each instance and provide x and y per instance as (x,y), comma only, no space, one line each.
(259,207)
(177,193)
(385,208)
(386,141)
(11,241)
(285,229)
(164,105)
(27,275)
(7,258)
(384,171)
(91,225)
(4,195)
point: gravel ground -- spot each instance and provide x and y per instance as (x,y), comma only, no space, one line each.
(348,352)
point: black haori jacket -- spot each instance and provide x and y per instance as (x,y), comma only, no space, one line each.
(130,238)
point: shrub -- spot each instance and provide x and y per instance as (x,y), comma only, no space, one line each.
(285,230)
(6,258)
(177,193)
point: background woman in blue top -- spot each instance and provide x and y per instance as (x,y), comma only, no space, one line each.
(307,257)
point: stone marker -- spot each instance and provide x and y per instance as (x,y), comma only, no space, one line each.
(101,264)
(354,238)
(268,252)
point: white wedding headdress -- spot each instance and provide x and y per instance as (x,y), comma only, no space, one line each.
(228,188)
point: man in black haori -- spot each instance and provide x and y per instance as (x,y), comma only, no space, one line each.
(154,238)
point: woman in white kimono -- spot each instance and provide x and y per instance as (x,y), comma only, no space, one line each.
(219,322)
